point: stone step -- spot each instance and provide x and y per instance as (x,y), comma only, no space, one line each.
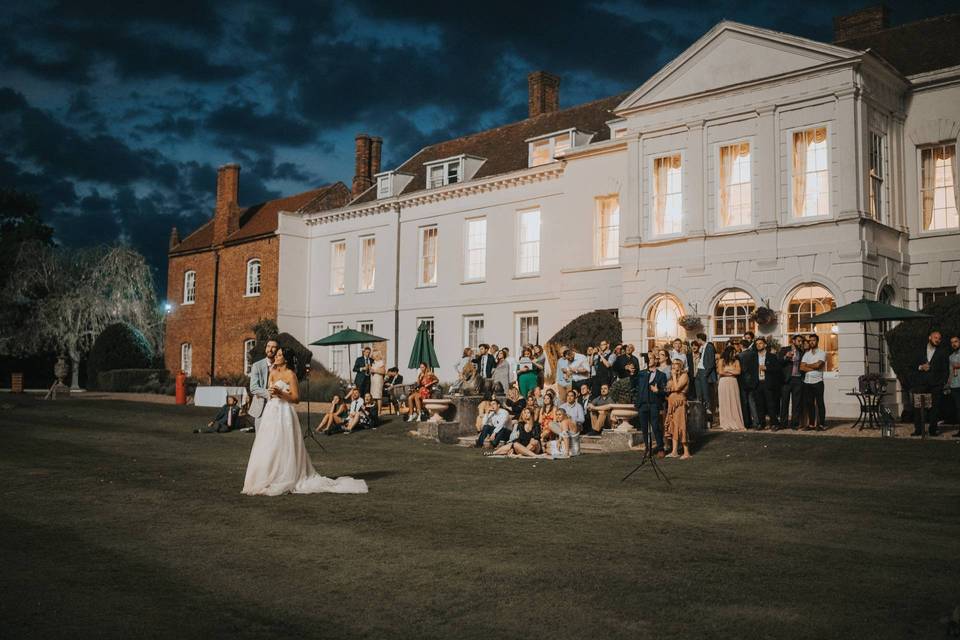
(466,441)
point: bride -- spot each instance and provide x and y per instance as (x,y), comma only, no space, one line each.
(278,460)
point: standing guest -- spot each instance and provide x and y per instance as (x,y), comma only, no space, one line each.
(501,373)
(676,422)
(764,385)
(748,340)
(728,370)
(573,409)
(225,420)
(526,373)
(663,362)
(512,362)
(579,369)
(525,439)
(485,362)
(812,364)
(630,351)
(742,356)
(706,380)
(677,351)
(604,375)
(495,425)
(362,367)
(461,369)
(426,381)
(955,379)
(599,410)
(539,363)
(378,372)
(621,361)
(564,378)
(791,393)
(514,403)
(931,369)
(649,387)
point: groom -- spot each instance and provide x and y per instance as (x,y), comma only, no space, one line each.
(259,380)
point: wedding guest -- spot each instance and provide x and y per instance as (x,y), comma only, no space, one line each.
(512,362)
(485,361)
(663,362)
(514,403)
(378,372)
(742,355)
(368,418)
(955,379)
(533,403)
(501,373)
(226,420)
(562,428)
(649,388)
(482,408)
(426,381)
(604,373)
(931,368)
(362,367)
(461,369)
(599,410)
(677,351)
(676,422)
(548,412)
(584,399)
(728,370)
(495,425)
(539,363)
(526,373)
(333,420)
(748,340)
(630,351)
(618,362)
(791,393)
(356,411)
(706,379)
(525,438)
(564,377)
(393,388)
(593,361)
(765,388)
(573,409)
(812,364)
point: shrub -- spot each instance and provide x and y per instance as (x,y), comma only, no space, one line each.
(322,387)
(621,391)
(906,339)
(582,332)
(132,379)
(301,355)
(119,346)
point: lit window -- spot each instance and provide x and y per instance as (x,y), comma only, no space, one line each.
(475,265)
(186,358)
(731,315)
(528,330)
(607,236)
(428,256)
(368,263)
(667,195)
(338,264)
(430,327)
(472,331)
(735,196)
(253,278)
(878,158)
(663,322)
(338,353)
(528,242)
(811,177)
(545,150)
(383,187)
(189,287)
(938,175)
(248,355)
(443,173)
(806,302)
(561,144)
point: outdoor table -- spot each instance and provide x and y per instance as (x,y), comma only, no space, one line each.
(870,413)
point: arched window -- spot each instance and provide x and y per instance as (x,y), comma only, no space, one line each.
(186,358)
(189,287)
(253,277)
(805,302)
(663,321)
(731,315)
(247,357)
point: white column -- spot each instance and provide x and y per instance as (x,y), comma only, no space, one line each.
(766,157)
(694,180)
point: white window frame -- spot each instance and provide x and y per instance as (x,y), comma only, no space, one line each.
(653,195)
(186,358)
(551,140)
(934,293)
(383,186)
(189,286)
(421,235)
(468,320)
(468,249)
(791,217)
(517,332)
(519,272)
(749,325)
(447,165)
(362,267)
(254,282)
(789,330)
(248,346)
(432,332)
(338,288)
(753,205)
(336,351)
(883,199)
(920,150)
(365,326)
(598,258)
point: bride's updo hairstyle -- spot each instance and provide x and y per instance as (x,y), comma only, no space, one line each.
(289,358)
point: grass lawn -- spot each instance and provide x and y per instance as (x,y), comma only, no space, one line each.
(118,522)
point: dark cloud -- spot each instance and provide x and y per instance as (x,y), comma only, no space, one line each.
(243,123)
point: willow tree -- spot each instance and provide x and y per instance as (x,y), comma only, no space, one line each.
(66,297)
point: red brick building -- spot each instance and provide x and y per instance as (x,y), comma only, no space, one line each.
(222,278)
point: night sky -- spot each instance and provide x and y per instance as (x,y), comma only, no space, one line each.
(116,114)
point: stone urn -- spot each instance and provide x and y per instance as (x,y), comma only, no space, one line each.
(437,407)
(61,370)
(621,415)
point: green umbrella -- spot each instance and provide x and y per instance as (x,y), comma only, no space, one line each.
(423,351)
(347,336)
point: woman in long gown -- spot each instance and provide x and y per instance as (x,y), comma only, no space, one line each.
(676,422)
(377,372)
(278,460)
(728,392)
(501,372)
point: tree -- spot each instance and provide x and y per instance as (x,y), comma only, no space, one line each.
(72,294)
(20,224)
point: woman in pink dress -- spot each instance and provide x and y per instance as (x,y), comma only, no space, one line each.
(728,392)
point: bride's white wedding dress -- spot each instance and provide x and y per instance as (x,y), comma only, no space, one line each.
(278,460)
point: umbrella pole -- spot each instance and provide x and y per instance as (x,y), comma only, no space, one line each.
(866,351)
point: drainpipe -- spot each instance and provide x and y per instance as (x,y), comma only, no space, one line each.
(213,328)
(396,296)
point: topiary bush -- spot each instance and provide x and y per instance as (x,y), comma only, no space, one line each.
(621,391)
(906,339)
(266,329)
(582,332)
(119,346)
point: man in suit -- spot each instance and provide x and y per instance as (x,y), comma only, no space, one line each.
(791,393)
(650,387)
(705,379)
(227,419)
(361,367)
(485,361)
(930,370)
(763,381)
(749,417)
(260,379)
(749,338)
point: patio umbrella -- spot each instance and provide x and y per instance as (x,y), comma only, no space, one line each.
(423,351)
(865,311)
(347,337)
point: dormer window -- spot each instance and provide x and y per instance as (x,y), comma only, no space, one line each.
(391,183)
(383,187)
(545,149)
(444,173)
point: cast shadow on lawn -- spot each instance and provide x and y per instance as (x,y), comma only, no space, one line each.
(376,475)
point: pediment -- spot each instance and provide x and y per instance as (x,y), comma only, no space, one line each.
(731,54)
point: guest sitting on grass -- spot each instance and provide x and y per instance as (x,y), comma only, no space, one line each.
(548,412)
(573,409)
(357,410)
(227,419)
(333,419)
(533,400)
(563,428)
(525,438)
(495,427)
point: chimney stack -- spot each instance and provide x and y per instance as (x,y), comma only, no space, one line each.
(861,23)
(543,93)
(226,216)
(362,178)
(174,239)
(376,145)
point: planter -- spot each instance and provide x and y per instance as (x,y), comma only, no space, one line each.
(621,415)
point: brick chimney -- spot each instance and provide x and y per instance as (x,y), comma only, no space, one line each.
(226,216)
(362,178)
(376,146)
(543,93)
(174,238)
(861,23)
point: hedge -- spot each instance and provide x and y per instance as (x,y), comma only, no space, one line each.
(906,339)
(132,379)
(119,346)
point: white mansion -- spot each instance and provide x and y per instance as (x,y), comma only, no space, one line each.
(756,169)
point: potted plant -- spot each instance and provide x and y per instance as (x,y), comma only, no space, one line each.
(764,316)
(690,322)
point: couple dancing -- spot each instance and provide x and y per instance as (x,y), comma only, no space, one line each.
(278,460)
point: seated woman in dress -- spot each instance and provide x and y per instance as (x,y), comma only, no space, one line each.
(372,407)
(676,422)
(548,413)
(335,417)
(426,381)
(563,429)
(525,438)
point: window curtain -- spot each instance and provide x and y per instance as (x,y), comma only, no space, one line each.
(801,142)
(659,193)
(728,156)
(928,175)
